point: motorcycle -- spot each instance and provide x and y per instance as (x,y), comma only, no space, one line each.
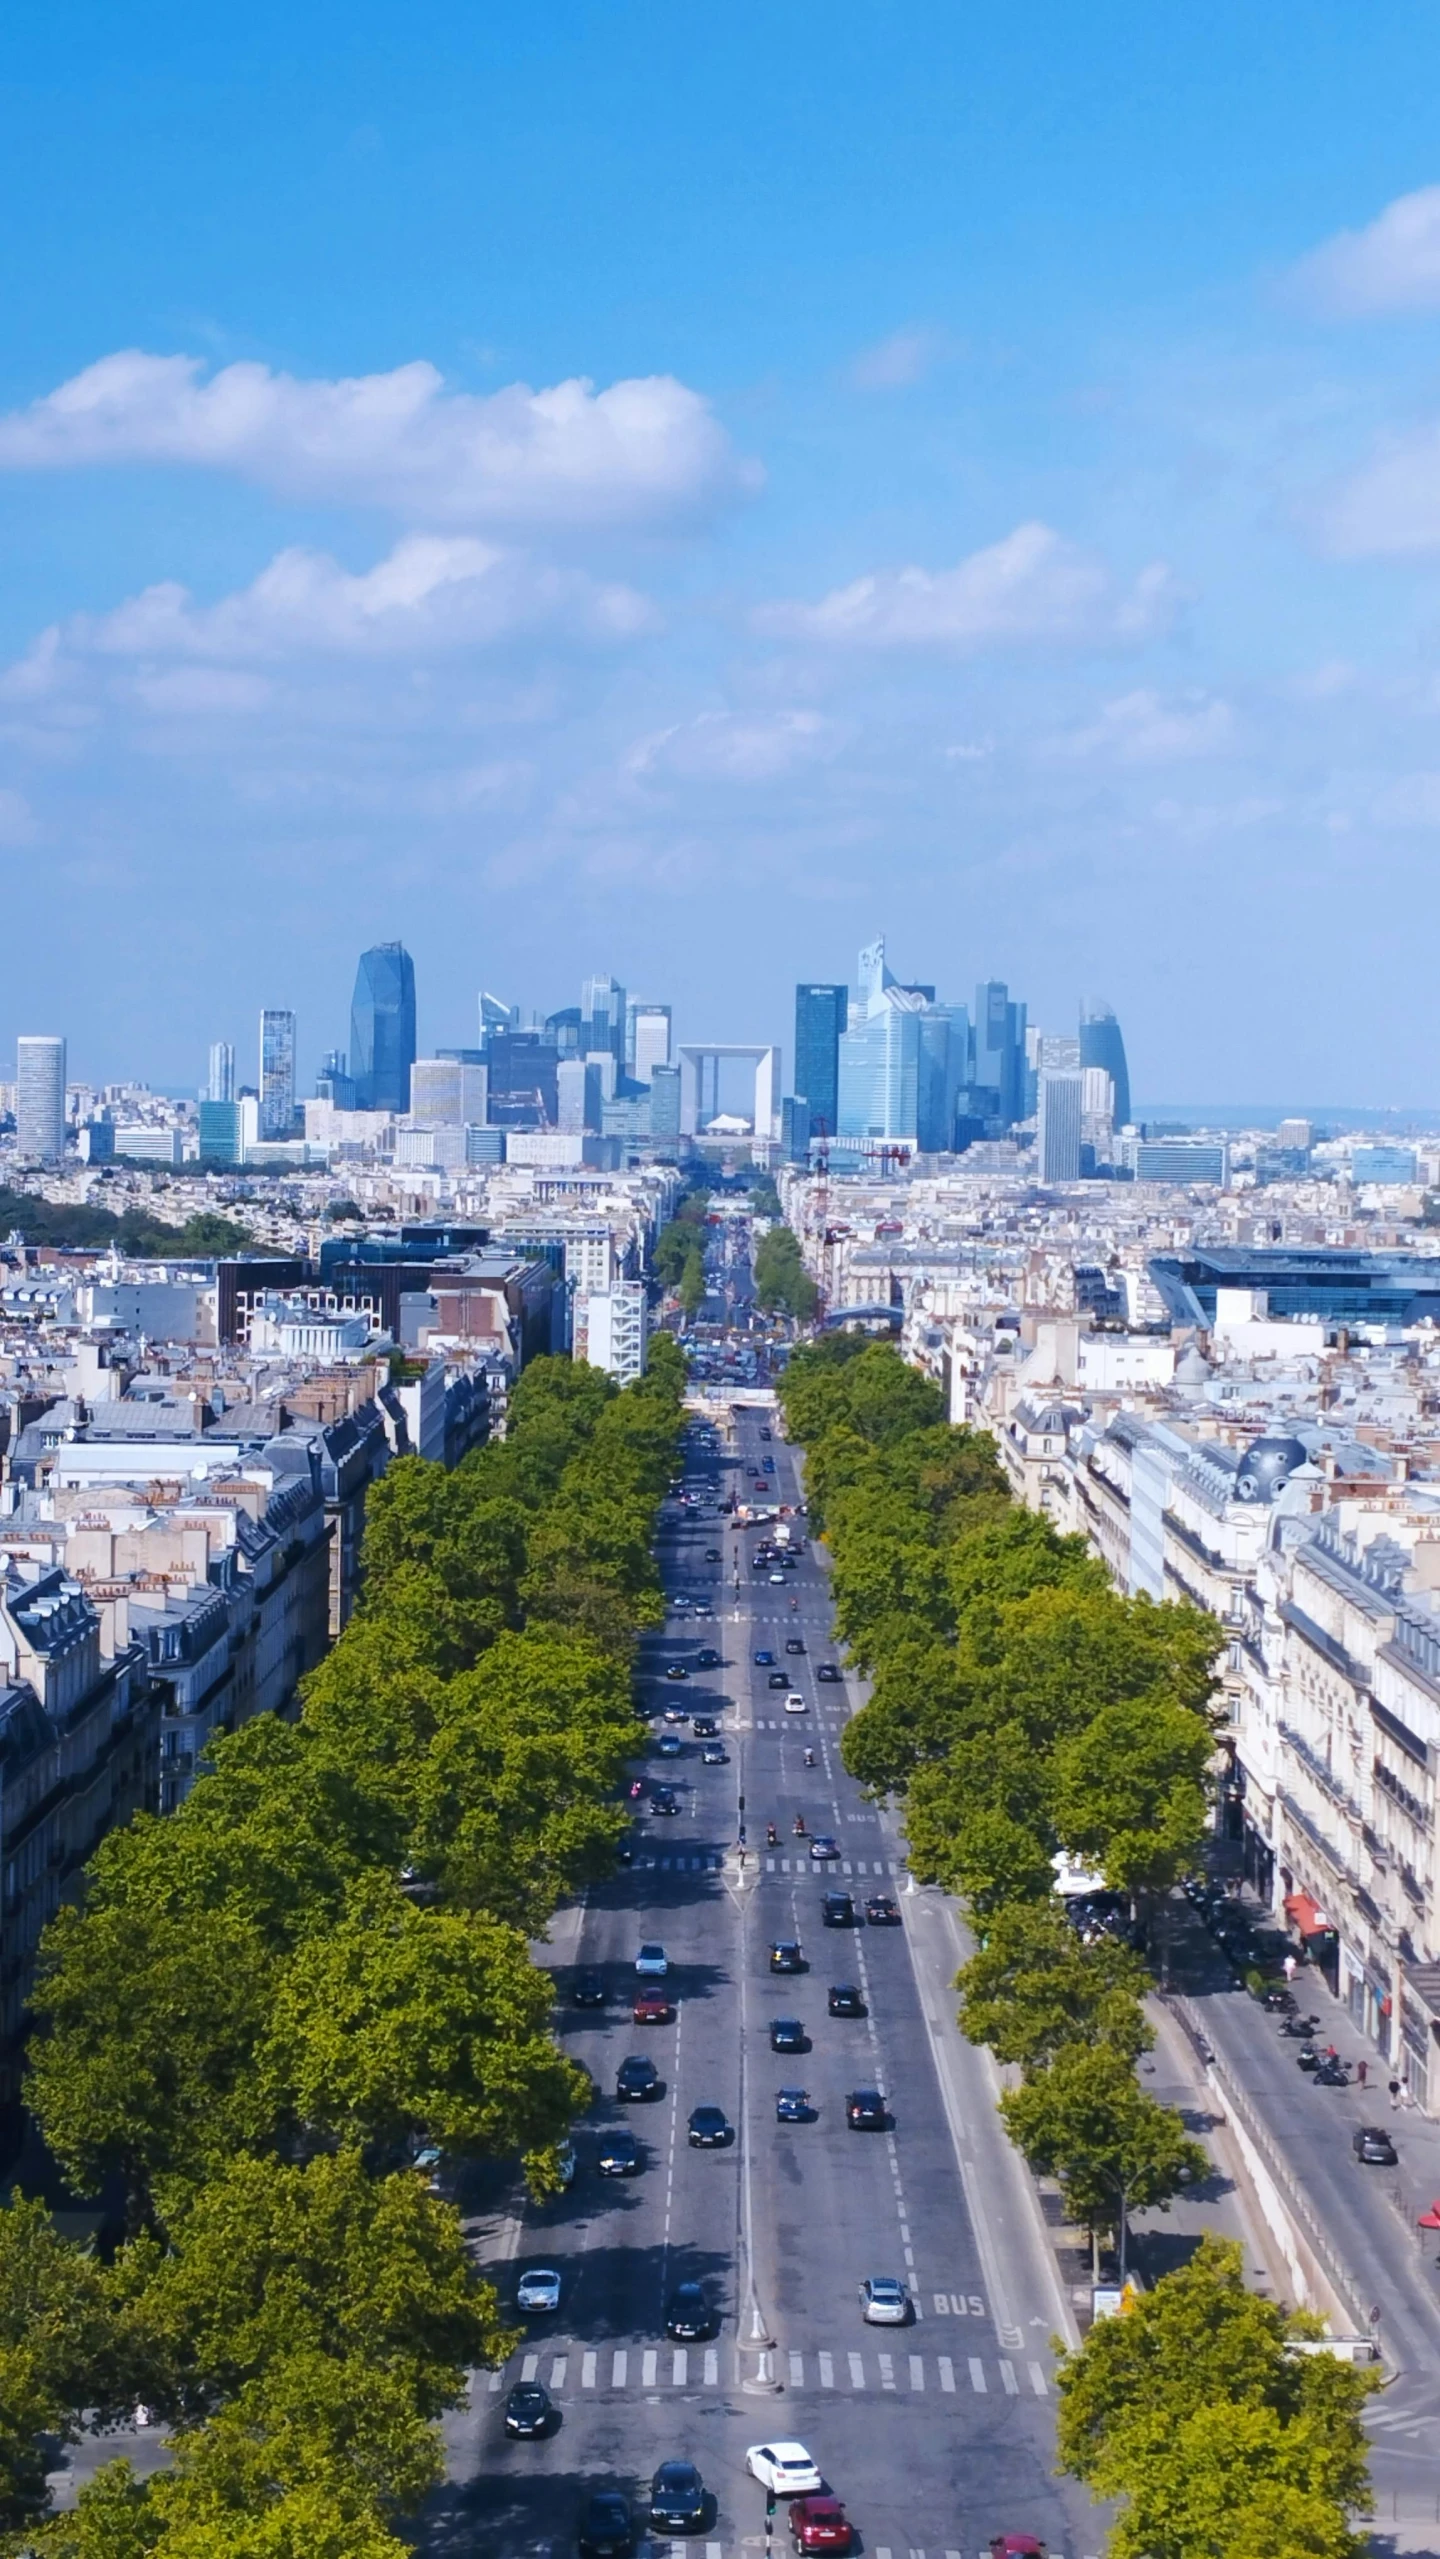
(1303,2027)
(772,1837)
(1331,2074)
(809,1759)
(798,1826)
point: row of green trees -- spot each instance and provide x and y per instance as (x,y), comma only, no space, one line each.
(270,2001)
(678,1260)
(781,1278)
(1021,1708)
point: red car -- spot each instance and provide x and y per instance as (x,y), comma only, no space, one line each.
(820,2523)
(1016,2545)
(651,2008)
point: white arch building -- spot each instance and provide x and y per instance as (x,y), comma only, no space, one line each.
(700,1059)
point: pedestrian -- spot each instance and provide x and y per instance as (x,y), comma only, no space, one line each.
(1288,1969)
(1394,2095)
(1361,2073)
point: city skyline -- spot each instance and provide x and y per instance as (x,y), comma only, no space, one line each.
(684,565)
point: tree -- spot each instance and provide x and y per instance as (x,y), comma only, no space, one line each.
(62,2351)
(912,1714)
(1031,1988)
(781,1278)
(1196,2411)
(1114,2149)
(1130,1791)
(691,1289)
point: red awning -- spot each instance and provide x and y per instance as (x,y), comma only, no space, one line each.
(1305,1913)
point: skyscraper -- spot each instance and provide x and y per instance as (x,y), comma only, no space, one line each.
(647,1039)
(220,1085)
(1102,1045)
(382,1028)
(998,1065)
(602,1024)
(1057,1123)
(820,1018)
(40,1098)
(277,1073)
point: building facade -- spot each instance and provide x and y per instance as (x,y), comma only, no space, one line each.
(40,1098)
(382,1028)
(276,1118)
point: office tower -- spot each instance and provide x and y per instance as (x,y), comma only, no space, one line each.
(997,1074)
(496,1016)
(220,1086)
(665,1107)
(40,1099)
(572,1087)
(445,1092)
(878,1064)
(647,1039)
(277,1073)
(821,1013)
(1102,1045)
(944,1035)
(219,1133)
(334,1083)
(602,1008)
(382,1028)
(522,1068)
(563,1029)
(1057,1123)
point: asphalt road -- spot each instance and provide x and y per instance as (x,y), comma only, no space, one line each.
(937,2435)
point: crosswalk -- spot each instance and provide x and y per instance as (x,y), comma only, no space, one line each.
(652,2549)
(709,1862)
(832,1866)
(566,2368)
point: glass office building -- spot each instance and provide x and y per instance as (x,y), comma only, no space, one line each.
(382,1028)
(1102,1045)
(277,1072)
(820,1013)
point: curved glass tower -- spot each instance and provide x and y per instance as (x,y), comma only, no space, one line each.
(1102,1045)
(382,1028)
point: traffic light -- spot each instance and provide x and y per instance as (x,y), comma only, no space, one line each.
(769,2503)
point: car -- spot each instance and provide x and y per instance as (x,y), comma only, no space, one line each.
(881,1911)
(764,1659)
(589,1991)
(651,1961)
(827,1674)
(764,1433)
(837,1910)
(865,2110)
(884,2302)
(823,1848)
(785,1956)
(670,1746)
(787,2035)
(677,1670)
(678,2502)
(707,1658)
(538,2290)
(714,1755)
(704,1727)
(625,1851)
(777,1577)
(688,2315)
(778,1679)
(664,1800)
(819,2523)
(606,2531)
(792,2106)
(709,2128)
(786,2467)
(795,1704)
(1373,2147)
(1015,2545)
(713,1555)
(637,2078)
(651,2008)
(794,1643)
(619,2153)
(529,2409)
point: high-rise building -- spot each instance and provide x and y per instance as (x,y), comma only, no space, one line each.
(1102,1045)
(382,1028)
(40,1098)
(447,1092)
(1059,1107)
(602,1025)
(820,1019)
(997,1066)
(878,1066)
(220,1084)
(943,1064)
(277,1072)
(647,1039)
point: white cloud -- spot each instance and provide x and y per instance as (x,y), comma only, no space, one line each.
(433,593)
(1033,586)
(720,746)
(904,357)
(1148,728)
(1392,265)
(648,453)
(1390,507)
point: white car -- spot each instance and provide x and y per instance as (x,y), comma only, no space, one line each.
(538,2289)
(778,1577)
(651,1962)
(795,1703)
(884,2302)
(785,2467)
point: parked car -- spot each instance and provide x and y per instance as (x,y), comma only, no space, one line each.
(1373,2147)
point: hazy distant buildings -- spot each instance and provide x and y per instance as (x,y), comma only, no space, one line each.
(1102,1045)
(1059,1106)
(997,1060)
(40,1098)
(220,1083)
(820,1019)
(602,1023)
(382,1028)
(277,1073)
(449,1092)
(647,1039)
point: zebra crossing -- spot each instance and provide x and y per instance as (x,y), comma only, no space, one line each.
(832,1866)
(648,2548)
(709,1862)
(618,2368)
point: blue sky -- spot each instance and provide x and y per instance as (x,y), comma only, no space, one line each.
(676,492)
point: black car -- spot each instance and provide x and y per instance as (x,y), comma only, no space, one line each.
(1373,2147)
(625,1851)
(787,2035)
(528,2409)
(708,1659)
(663,1799)
(843,2000)
(865,2110)
(794,1643)
(881,1912)
(704,1727)
(678,2502)
(785,1956)
(709,2128)
(837,1910)
(618,2154)
(606,2531)
(637,2076)
(589,1991)
(712,1555)
(828,1673)
(778,1679)
(764,1433)
(688,2315)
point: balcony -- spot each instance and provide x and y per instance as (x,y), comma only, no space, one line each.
(1322,1772)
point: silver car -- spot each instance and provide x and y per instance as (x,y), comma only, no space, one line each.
(884,2302)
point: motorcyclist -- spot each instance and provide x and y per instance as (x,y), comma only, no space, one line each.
(771,1835)
(799,1826)
(809,1759)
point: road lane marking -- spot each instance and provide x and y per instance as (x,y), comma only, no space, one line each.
(529,2367)
(857,2379)
(1007,2375)
(947,2373)
(587,2372)
(712,2367)
(1038,2382)
(827,2372)
(917,2372)
(977,2374)
(557,2372)
(797,2371)
(681,2368)
(618,2369)
(887,2371)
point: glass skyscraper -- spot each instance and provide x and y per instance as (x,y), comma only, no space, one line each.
(1102,1045)
(277,1072)
(820,1013)
(382,1028)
